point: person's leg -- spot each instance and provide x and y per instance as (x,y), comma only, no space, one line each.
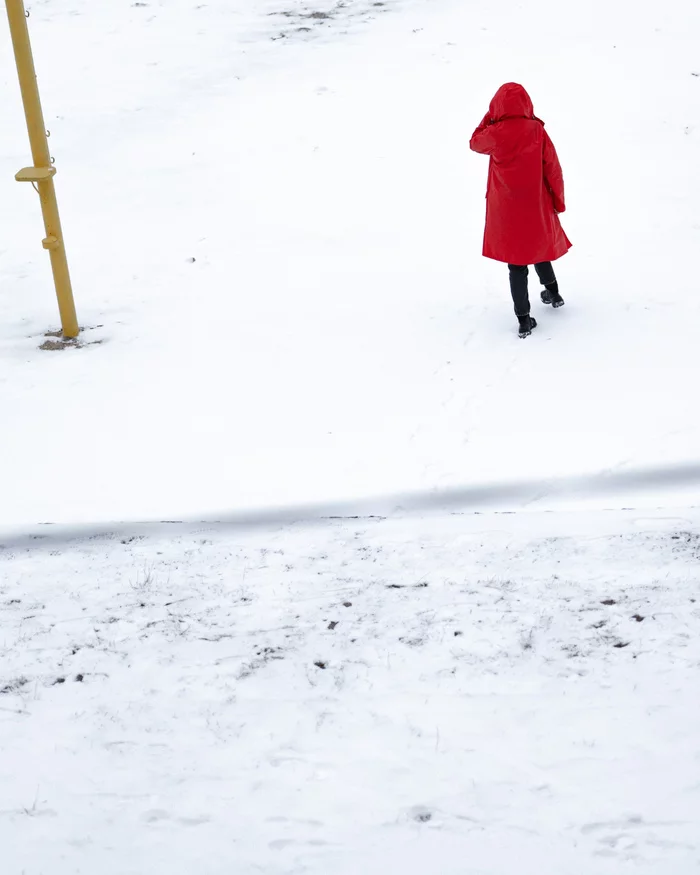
(518,288)
(545,272)
(550,295)
(521,301)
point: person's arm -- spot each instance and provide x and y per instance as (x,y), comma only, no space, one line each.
(553,176)
(482,140)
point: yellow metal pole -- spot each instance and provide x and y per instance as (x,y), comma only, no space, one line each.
(42,173)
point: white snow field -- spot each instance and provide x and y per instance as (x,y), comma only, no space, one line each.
(274,227)
(339,333)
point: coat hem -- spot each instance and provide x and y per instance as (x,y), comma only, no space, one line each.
(530,261)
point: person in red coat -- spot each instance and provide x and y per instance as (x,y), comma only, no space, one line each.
(524,197)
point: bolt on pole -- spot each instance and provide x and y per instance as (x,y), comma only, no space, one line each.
(42,173)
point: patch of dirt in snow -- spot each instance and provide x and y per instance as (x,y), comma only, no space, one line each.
(56,342)
(310,19)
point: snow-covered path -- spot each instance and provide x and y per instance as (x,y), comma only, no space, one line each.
(469,695)
(338,333)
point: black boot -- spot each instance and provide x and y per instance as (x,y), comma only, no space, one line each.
(526,324)
(551,295)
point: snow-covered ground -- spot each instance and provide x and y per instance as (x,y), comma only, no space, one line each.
(339,334)
(274,226)
(468,695)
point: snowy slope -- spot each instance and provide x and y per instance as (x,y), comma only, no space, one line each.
(471,695)
(338,334)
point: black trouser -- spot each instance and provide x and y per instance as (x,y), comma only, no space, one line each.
(518,283)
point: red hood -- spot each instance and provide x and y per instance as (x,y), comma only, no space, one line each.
(511,101)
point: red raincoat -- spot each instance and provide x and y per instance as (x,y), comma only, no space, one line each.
(525,188)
